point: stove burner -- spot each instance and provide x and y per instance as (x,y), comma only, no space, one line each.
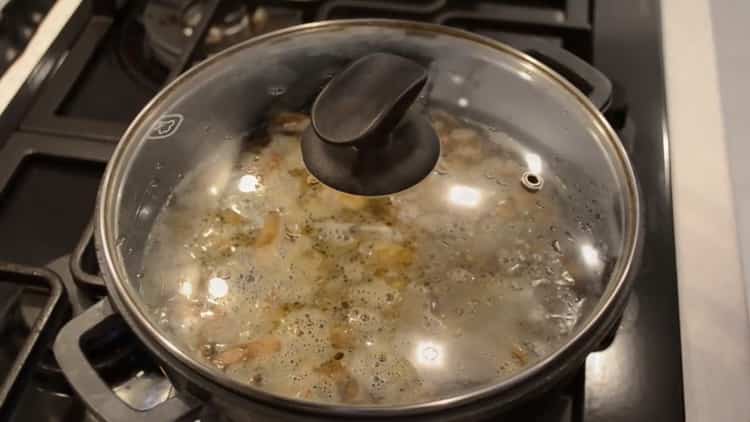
(170,24)
(137,59)
(232,24)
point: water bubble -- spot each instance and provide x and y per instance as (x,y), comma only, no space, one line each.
(276,90)
(121,240)
(139,275)
(143,212)
(158,165)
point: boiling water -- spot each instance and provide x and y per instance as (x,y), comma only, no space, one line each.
(282,283)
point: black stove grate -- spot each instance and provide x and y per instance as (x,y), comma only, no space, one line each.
(112,50)
(31,308)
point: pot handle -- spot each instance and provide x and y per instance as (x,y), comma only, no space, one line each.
(91,388)
(585,77)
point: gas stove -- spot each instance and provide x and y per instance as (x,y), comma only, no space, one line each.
(112,57)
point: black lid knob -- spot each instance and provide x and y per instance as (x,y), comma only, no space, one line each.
(365,137)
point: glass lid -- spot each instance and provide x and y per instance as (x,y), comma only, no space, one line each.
(332,280)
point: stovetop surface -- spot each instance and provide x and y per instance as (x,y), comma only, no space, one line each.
(112,60)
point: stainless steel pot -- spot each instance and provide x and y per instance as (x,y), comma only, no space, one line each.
(232,92)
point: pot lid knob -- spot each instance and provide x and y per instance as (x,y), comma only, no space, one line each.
(366,138)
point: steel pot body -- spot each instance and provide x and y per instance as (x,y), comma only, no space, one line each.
(169,137)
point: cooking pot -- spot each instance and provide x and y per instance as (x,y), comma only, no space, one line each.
(505,177)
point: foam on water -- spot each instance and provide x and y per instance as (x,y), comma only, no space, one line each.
(282,283)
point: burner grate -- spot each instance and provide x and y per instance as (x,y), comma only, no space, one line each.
(44,183)
(31,311)
(156,47)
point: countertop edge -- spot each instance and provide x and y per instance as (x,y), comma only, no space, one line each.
(19,71)
(713,309)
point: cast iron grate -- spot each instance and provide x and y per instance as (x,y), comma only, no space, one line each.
(31,311)
(113,49)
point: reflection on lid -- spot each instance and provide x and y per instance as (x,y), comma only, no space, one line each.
(590,255)
(143,212)
(186,289)
(429,353)
(217,288)
(533,162)
(463,102)
(524,75)
(464,196)
(248,183)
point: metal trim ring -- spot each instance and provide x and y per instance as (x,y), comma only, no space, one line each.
(127,299)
